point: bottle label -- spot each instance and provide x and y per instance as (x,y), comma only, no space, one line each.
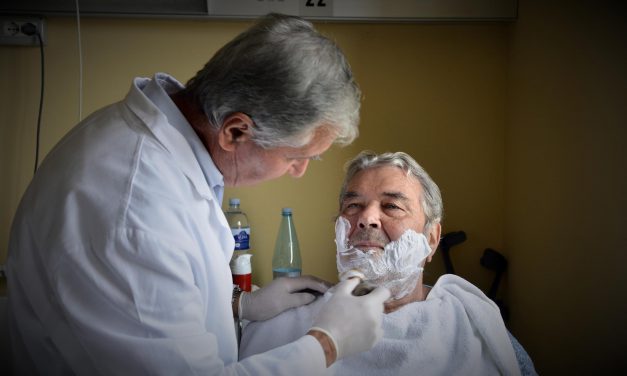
(242,238)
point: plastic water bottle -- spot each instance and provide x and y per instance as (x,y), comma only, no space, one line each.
(238,222)
(286,259)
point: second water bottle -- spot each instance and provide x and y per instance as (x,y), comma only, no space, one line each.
(286,259)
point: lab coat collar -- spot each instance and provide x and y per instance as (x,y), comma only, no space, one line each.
(201,171)
(158,90)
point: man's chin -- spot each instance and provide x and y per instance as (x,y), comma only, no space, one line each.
(367,248)
(374,252)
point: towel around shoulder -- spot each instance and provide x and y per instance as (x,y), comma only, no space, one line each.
(456,330)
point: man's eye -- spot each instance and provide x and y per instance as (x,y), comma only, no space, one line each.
(352,206)
(390,206)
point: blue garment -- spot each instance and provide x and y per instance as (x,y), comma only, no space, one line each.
(524,360)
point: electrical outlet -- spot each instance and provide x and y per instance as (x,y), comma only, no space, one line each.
(12,32)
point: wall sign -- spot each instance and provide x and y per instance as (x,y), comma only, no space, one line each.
(333,10)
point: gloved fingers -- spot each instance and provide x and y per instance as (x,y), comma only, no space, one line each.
(380,294)
(308,282)
(347,286)
(299,299)
(321,281)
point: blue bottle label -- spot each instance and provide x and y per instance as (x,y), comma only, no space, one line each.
(242,238)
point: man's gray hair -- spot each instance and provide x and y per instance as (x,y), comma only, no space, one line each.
(287,77)
(431,199)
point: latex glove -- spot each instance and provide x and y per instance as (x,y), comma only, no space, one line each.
(281,294)
(352,322)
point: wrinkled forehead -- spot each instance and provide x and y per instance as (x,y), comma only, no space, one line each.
(383,182)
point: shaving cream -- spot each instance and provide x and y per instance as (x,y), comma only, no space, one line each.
(397,267)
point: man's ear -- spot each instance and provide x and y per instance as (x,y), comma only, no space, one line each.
(434,239)
(236,129)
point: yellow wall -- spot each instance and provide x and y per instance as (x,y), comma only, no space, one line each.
(566,185)
(437,92)
(519,124)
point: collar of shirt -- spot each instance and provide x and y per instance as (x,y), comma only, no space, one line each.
(157,91)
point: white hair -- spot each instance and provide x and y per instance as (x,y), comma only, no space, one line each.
(287,77)
(431,199)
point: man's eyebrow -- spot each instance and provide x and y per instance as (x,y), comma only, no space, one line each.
(316,157)
(349,194)
(396,195)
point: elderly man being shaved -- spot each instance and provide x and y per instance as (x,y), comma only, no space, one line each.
(388,228)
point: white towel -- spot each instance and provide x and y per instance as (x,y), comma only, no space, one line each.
(457,330)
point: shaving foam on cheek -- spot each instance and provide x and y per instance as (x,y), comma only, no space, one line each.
(397,267)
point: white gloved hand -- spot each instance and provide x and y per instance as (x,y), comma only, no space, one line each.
(353,323)
(280,295)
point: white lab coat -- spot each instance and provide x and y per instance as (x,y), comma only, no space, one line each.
(118,257)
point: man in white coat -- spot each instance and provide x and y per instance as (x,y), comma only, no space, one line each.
(388,229)
(119,252)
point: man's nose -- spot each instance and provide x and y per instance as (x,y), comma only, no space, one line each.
(370,217)
(299,167)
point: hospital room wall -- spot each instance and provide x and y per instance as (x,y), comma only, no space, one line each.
(487,110)
(434,91)
(566,184)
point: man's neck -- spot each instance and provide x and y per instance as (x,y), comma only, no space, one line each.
(419,294)
(195,117)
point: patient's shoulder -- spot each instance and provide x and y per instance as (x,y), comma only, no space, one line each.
(453,285)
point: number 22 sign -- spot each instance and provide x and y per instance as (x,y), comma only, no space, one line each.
(315,3)
(315,8)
